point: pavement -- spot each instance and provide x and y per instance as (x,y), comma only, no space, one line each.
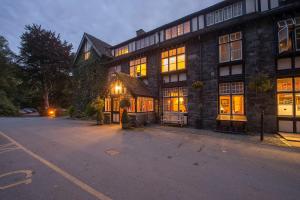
(42,158)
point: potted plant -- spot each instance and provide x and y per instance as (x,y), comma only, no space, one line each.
(98,104)
(125,104)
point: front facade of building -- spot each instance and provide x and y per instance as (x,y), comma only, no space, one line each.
(221,49)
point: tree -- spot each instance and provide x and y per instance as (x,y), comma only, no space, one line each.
(47,60)
(98,104)
(9,80)
(261,85)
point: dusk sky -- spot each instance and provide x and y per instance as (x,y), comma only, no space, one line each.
(112,21)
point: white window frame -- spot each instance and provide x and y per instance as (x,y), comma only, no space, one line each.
(286,29)
(237,9)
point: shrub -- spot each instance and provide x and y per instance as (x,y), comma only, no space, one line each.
(6,106)
(71,111)
(90,110)
(198,85)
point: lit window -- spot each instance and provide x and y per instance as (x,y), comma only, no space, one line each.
(107,104)
(132,105)
(175,100)
(121,51)
(178,30)
(87,50)
(288,97)
(173,60)
(231,99)
(230,47)
(145,104)
(138,67)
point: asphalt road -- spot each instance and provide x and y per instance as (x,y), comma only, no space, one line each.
(62,159)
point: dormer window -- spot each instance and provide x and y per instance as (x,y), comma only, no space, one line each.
(87,50)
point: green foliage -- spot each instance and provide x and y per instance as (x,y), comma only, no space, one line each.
(261,84)
(89,80)
(71,111)
(198,85)
(6,106)
(46,60)
(124,103)
(90,110)
(9,81)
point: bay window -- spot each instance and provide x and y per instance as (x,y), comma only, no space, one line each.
(173,60)
(230,47)
(138,67)
(175,100)
(231,98)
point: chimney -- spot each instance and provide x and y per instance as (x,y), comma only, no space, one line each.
(140,32)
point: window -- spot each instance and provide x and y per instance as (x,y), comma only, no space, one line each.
(87,50)
(132,105)
(231,70)
(210,19)
(288,29)
(122,50)
(145,104)
(227,13)
(117,88)
(237,9)
(284,63)
(178,30)
(231,98)
(230,47)
(173,60)
(218,16)
(288,97)
(107,105)
(297,39)
(138,67)
(174,78)
(175,100)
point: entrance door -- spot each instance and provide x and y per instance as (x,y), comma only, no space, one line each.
(116,110)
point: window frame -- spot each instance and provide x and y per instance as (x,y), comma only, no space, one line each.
(229,93)
(296,44)
(228,40)
(138,62)
(168,94)
(165,56)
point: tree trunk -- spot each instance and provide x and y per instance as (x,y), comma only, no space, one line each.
(46,98)
(262,125)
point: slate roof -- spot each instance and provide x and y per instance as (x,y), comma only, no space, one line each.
(100,47)
(135,86)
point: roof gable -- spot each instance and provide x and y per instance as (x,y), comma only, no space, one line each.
(100,47)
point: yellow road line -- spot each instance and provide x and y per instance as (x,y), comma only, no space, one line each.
(60,171)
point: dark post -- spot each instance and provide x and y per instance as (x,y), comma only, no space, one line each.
(262,126)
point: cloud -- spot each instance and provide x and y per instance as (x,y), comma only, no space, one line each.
(112,21)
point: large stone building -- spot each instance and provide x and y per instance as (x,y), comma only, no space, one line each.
(196,71)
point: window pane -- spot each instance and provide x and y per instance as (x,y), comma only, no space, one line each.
(172,63)
(284,63)
(224,52)
(132,105)
(236,69)
(236,50)
(224,71)
(237,88)
(182,77)
(284,85)
(116,106)
(224,104)
(166,79)
(174,78)
(167,104)
(187,27)
(165,64)
(285,104)
(107,105)
(297,37)
(174,31)
(284,40)
(132,71)
(237,104)
(181,62)
(297,62)
(168,34)
(297,99)
(174,104)
(143,70)
(164,54)
(183,104)
(224,88)
(180,29)
(181,50)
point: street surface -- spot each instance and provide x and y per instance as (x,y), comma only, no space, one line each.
(60,159)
